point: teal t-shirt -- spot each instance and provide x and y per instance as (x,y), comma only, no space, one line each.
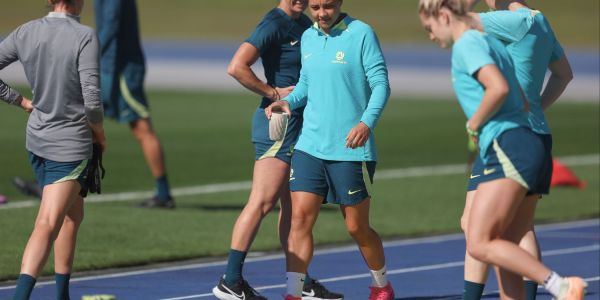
(532,45)
(277,38)
(472,51)
(343,81)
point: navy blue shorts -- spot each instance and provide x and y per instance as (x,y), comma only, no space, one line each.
(123,97)
(50,172)
(338,182)
(518,154)
(265,147)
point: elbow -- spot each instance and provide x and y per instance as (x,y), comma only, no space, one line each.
(232,70)
(502,91)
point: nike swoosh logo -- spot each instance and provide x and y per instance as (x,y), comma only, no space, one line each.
(242,296)
(311,294)
(293,43)
(353,192)
(488,172)
(474,176)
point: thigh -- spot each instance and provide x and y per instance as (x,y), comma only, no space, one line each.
(350,182)
(51,172)
(493,209)
(545,174)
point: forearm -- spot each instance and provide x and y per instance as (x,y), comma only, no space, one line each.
(554,88)
(94,109)
(9,95)
(379,96)
(490,104)
(246,77)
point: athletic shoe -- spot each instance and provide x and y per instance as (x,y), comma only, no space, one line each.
(239,290)
(155,202)
(384,293)
(290,297)
(572,288)
(314,290)
(28,187)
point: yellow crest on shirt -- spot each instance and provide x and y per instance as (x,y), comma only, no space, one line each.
(339,58)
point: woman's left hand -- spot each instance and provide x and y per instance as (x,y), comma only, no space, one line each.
(358,136)
(26,105)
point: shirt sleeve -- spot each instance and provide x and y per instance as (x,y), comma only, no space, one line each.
(377,76)
(507,26)
(472,52)
(263,36)
(90,79)
(8,55)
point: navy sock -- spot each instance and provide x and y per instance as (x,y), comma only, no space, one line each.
(530,289)
(472,290)
(307,279)
(62,286)
(235,263)
(25,285)
(163,192)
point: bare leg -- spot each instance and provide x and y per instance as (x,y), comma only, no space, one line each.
(64,245)
(511,285)
(368,241)
(493,211)
(151,147)
(56,201)
(268,182)
(305,210)
(475,271)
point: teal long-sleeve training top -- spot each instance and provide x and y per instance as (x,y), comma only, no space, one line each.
(343,81)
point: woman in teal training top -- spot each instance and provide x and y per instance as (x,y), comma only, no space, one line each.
(344,85)
(488,91)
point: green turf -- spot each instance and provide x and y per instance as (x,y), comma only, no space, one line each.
(206,139)
(396,21)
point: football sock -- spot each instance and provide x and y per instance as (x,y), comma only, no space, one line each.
(25,285)
(378,278)
(295,283)
(553,284)
(62,286)
(472,290)
(235,263)
(530,289)
(163,192)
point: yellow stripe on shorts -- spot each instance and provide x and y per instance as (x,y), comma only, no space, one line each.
(509,169)
(75,173)
(276,147)
(138,107)
(367,178)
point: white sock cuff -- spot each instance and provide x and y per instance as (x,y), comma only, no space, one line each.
(295,283)
(553,283)
(379,278)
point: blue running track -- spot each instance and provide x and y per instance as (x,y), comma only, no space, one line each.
(423,268)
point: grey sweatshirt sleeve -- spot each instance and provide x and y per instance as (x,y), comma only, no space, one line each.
(90,78)
(8,55)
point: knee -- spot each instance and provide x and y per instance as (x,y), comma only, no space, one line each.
(356,230)
(47,227)
(464,223)
(301,221)
(478,249)
(73,221)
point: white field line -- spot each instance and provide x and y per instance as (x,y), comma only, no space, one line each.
(447,265)
(578,160)
(389,244)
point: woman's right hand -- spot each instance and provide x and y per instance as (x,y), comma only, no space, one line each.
(280,105)
(283,92)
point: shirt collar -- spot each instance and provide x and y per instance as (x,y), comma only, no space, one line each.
(337,28)
(54,14)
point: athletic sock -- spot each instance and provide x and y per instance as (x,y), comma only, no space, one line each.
(295,283)
(25,285)
(163,192)
(62,286)
(530,289)
(473,290)
(378,278)
(235,264)
(553,284)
